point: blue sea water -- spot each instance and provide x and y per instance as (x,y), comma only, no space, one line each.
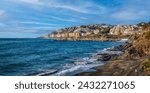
(19,57)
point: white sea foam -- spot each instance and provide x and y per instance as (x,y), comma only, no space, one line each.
(124,40)
(112,52)
(47,72)
(84,64)
(76,68)
(80,65)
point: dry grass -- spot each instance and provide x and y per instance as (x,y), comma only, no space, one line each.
(147,67)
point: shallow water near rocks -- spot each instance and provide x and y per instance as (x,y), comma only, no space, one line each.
(19,57)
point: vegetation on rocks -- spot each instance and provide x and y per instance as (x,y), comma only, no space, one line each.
(147,67)
(136,58)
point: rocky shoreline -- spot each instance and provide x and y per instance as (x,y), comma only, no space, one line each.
(106,56)
(134,61)
(130,59)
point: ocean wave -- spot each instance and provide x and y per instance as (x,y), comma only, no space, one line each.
(112,52)
(76,69)
(124,40)
(48,56)
(49,72)
(81,64)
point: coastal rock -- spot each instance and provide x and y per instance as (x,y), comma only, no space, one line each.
(140,43)
(100,32)
(103,57)
(135,61)
(124,30)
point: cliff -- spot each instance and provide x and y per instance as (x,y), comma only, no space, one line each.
(135,60)
(140,43)
(95,32)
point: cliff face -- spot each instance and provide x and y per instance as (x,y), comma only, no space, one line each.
(136,59)
(141,43)
(134,62)
(94,32)
(125,30)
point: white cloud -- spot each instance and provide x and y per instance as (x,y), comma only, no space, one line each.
(63,19)
(129,15)
(37,23)
(73,8)
(38,28)
(36,2)
(81,7)
(28,31)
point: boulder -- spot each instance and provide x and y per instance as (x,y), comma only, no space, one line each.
(103,57)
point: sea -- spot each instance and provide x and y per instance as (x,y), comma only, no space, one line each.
(48,57)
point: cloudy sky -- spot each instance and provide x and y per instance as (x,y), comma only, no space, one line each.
(33,18)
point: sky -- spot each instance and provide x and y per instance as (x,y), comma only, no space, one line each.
(34,18)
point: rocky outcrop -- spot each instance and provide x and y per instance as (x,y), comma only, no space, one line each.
(140,43)
(94,32)
(135,60)
(119,67)
(103,57)
(125,30)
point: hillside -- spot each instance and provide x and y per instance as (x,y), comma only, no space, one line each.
(95,32)
(140,43)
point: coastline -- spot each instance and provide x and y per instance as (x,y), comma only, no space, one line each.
(87,39)
(114,52)
(118,65)
(119,70)
(72,57)
(135,60)
(105,56)
(134,55)
(107,59)
(89,64)
(130,59)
